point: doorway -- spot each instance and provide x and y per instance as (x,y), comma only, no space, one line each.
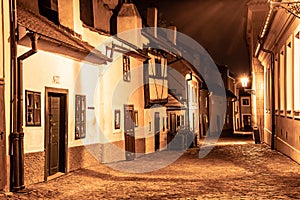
(2,138)
(157,130)
(129,134)
(56,135)
(247,122)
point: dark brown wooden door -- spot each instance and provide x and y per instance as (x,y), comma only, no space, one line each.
(56,134)
(129,132)
(2,139)
(157,130)
(54,130)
(247,122)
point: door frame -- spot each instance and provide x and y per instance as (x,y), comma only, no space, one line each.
(157,136)
(59,91)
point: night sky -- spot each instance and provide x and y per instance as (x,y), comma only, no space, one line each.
(218,25)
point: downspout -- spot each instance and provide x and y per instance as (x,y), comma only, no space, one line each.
(17,134)
(272,91)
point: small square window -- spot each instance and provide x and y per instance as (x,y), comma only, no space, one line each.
(245,102)
(33,108)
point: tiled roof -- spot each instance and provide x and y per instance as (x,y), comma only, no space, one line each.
(45,28)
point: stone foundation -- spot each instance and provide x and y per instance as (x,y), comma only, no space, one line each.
(34,167)
(84,156)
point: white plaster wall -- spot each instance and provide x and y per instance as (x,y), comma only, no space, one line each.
(116,93)
(77,78)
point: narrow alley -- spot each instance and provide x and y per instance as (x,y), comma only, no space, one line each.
(235,169)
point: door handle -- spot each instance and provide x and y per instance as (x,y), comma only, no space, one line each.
(1,133)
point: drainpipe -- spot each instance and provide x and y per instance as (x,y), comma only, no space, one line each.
(17,135)
(272,91)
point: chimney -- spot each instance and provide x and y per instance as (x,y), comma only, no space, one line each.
(69,15)
(172,35)
(102,10)
(129,19)
(152,19)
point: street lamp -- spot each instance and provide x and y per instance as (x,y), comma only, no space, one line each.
(244,81)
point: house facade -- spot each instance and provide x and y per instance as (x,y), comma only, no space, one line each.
(87,97)
(276,66)
(81,96)
(4,88)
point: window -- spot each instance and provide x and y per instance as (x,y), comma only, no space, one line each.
(276,85)
(158,67)
(281,80)
(80,116)
(49,9)
(136,118)
(245,101)
(33,108)
(117,119)
(268,89)
(86,12)
(182,121)
(297,72)
(164,125)
(126,68)
(178,120)
(289,76)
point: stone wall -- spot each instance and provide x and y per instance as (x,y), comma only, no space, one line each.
(34,167)
(84,156)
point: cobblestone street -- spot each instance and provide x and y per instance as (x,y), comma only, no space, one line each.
(240,170)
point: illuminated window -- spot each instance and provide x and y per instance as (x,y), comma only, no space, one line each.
(80,116)
(33,108)
(289,76)
(126,68)
(282,80)
(297,72)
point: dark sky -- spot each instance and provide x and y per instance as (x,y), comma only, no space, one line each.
(218,25)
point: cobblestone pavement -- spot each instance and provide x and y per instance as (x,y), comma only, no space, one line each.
(243,170)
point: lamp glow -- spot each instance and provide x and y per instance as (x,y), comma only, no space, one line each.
(244,81)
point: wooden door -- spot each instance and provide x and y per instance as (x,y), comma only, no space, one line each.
(56,133)
(157,130)
(247,122)
(173,123)
(2,138)
(129,132)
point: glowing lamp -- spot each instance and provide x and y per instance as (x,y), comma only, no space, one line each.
(244,81)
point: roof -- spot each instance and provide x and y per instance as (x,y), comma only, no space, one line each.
(52,32)
(173,102)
